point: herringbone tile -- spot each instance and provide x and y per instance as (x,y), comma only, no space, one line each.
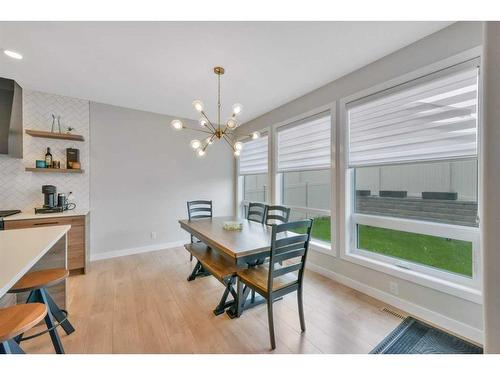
(21,189)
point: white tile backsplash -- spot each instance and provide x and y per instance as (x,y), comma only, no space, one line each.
(23,190)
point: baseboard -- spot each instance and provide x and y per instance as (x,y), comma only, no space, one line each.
(134,250)
(423,313)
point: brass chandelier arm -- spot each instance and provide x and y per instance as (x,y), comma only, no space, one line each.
(208,120)
(198,130)
(228,140)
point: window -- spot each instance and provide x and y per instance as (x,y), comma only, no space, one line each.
(255,188)
(304,177)
(253,172)
(413,175)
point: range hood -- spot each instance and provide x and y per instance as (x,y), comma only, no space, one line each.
(11,118)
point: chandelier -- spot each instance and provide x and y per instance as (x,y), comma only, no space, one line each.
(215,130)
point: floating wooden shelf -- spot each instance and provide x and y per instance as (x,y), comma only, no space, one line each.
(42,134)
(54,170)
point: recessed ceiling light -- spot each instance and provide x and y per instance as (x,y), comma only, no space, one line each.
(13,54)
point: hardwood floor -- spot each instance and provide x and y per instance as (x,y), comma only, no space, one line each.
(143,304)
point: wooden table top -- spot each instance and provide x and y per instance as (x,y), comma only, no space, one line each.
(253,239)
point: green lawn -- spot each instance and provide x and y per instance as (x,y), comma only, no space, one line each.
(321,229)
(447,254)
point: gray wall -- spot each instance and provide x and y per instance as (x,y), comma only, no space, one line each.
(452,40)
(143,172)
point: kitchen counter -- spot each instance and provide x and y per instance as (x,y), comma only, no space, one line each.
(22,249)
(28,215)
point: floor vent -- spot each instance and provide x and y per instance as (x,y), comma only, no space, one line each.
(393,313)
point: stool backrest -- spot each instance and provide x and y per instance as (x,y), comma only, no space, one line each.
(257,212)
(277,215)
(289,245)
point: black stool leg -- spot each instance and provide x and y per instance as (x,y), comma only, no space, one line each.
(10,347)
(54,336)
(58,314)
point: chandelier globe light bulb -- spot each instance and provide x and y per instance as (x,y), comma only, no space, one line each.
(195,144)
(237,108)
(231,123)
(177,124)
(238,146)
(198,105)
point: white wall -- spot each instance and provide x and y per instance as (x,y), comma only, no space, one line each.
(23,190)
(143,173)
(456,314)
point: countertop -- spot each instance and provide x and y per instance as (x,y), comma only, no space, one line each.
(20,249)
(31,215)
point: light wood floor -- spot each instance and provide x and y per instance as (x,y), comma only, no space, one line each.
(143,304)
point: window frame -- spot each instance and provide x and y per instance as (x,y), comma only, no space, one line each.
(319,246)
(460,286)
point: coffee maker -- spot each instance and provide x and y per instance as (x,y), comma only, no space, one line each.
(53,202)
(49,196)
(49,200)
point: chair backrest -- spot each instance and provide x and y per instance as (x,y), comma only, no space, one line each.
(199,209)
(289,245)
(257,212)
(277,215)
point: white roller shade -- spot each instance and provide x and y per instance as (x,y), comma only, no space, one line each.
(253,157)
(432,118)
(305,146)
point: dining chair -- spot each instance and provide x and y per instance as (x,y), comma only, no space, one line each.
(198,210)
(273,281)
(277,215)
(257,212)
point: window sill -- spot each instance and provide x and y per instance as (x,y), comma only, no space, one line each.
(322,247)
(461,291)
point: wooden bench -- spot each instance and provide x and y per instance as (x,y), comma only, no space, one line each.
(219,266)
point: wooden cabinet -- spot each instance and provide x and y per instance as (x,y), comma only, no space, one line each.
(77,237)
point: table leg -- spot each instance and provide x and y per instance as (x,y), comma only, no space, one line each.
(224,303)
(243,302)
(198,271)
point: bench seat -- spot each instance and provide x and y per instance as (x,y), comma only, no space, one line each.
(220,266)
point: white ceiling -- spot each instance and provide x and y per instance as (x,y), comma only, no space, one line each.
(163,66)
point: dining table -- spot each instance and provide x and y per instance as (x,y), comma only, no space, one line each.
(247,247)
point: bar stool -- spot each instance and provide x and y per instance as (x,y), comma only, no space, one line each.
(36,283)
(15,320)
